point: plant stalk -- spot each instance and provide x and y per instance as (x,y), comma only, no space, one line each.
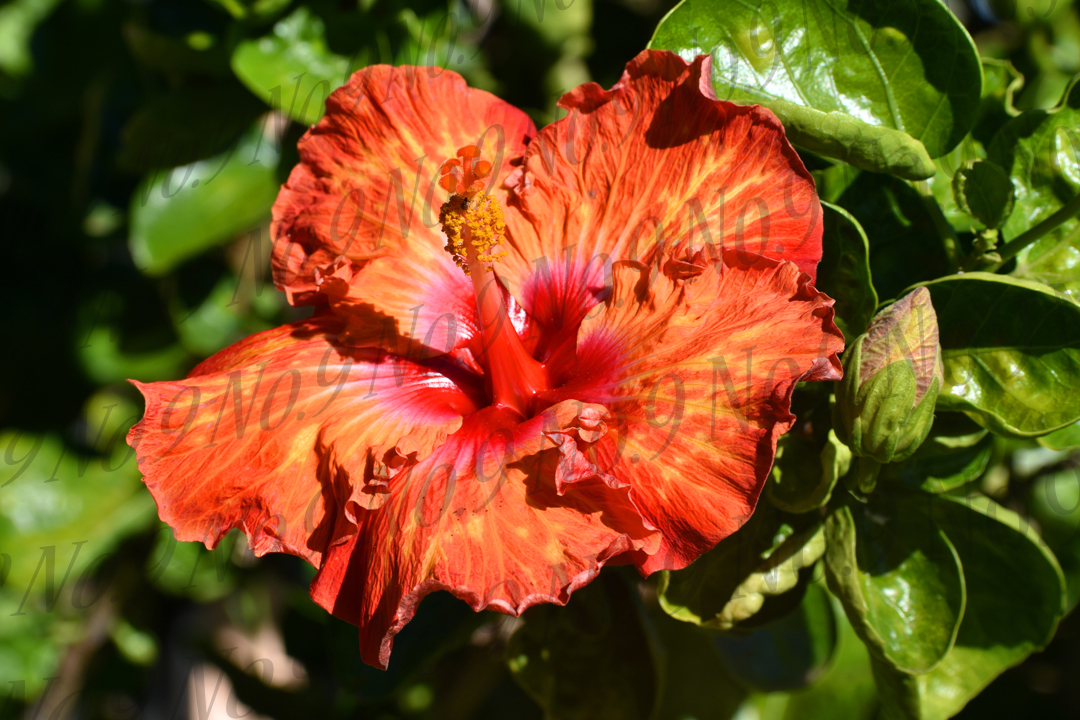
(1010,249)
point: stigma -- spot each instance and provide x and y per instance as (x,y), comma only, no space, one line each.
(471,219)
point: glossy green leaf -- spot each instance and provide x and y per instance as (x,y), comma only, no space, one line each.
(179,213)
(898,578)
(984,191)
(592,659)
(292,69)
(1041,151)
(941,185)
(878,64)
(1001,81)
(1054,259)
(803,475)
(1012,353)
(789,652)
(730,583)
(956,452)
(905,246)
(844,271)
(1015,597)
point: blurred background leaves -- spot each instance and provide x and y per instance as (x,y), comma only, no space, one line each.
(141,147)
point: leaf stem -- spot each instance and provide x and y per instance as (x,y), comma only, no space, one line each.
(1010,249)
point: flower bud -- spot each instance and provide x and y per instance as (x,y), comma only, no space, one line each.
(892,375)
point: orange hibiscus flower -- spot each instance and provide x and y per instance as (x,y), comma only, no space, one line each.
(585,357)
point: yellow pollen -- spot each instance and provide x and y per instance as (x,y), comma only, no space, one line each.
(476,220)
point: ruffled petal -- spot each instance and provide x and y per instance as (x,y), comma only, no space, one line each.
(696,360)
(481,517)
(286,433)
(651,163)
(367,180)
(417,308)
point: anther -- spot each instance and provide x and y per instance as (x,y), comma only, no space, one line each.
(471,219)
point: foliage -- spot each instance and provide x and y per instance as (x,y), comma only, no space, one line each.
(142,146)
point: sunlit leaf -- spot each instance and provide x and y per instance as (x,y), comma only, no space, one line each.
(899,579)
(956,452)
(179,213)
(863,70)
(1041,152)
(292,69)
(1011,350)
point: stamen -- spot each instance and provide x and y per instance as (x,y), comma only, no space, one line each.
(474,226)
(471,219)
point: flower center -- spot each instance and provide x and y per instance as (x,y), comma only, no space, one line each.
(473,223)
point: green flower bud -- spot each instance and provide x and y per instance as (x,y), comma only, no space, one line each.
(892,375)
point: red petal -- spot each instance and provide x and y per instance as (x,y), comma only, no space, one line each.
(367,181)
(276,434)
(657,160)
(416,308)
(482,518)
(698,366)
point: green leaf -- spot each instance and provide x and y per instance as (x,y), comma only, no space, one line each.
(172,55)
(223,318)
(292,68)
(956,452)
(1055,504)
(789,652)
(1029,12)
(179,213)
(1011,350)
(1041,152)
(846,690)
(1015,594)
(696,682)
(188,569)
(730,583)
(803,475)
(844,271)
(905,247)
(1067,438)
(18,20)
(185,125)
(1001,82)
(984,191)
(862,67)
(592,659)
(79,506)
(1054,259)
(898,578)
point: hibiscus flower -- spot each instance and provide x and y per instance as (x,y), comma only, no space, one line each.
(532,354)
